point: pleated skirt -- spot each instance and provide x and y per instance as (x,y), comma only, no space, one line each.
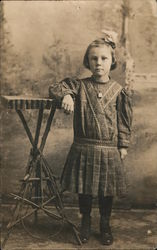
(94,170)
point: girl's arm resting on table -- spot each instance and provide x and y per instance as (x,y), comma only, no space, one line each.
(64,92)
(124,120)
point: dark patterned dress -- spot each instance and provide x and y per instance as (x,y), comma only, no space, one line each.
(102,124)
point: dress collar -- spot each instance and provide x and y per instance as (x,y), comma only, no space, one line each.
(93,79)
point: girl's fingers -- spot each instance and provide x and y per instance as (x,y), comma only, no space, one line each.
(64,106)
(68,103)
(68,108)
(71,109)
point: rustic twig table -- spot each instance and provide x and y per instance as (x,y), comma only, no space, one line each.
(39,189)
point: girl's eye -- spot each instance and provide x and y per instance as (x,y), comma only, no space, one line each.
(94,58)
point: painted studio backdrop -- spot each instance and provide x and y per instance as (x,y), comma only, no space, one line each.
(45,41)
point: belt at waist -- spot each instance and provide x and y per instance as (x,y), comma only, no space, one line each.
(95,142)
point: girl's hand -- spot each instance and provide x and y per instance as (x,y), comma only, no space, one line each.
(68,104)
(123,153)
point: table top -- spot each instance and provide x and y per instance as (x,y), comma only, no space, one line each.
(27,102)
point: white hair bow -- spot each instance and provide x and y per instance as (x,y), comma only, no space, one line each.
(110,37)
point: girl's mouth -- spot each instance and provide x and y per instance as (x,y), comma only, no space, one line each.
(98,69)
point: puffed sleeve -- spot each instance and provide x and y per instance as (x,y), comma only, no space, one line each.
(65,87)
(124,117)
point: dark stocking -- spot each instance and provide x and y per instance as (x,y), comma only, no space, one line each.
(105,208)
(85,205)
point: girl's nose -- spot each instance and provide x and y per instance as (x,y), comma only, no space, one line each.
(99,61)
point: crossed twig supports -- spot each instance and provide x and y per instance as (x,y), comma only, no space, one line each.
(38,165)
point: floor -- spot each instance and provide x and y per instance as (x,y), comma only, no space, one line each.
(132,229)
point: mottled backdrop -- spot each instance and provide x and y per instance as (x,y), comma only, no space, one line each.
(43,42)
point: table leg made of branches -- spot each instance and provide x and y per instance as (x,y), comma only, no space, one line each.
(39,188)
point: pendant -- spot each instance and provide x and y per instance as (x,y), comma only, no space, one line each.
(99,95)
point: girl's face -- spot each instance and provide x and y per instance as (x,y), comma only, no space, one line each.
(100,60)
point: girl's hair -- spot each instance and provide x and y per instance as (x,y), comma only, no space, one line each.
(99,43)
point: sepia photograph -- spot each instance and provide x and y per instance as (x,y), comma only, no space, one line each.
(78,123)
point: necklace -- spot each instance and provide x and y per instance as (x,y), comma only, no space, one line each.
(97,89)
(98,92)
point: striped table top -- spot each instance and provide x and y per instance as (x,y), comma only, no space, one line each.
(27,102)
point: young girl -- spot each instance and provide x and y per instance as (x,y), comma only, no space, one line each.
(102,126)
